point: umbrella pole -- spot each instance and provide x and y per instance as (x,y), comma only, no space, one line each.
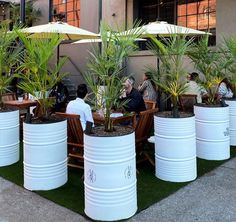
(58,53)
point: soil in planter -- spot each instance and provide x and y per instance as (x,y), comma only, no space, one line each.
(118,131)
(168,114)
(7,109)
(51,119)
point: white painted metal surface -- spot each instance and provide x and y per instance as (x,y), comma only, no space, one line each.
(9,137)
(45,155)
(232,121)
(212,132)
(110,177)
(175,149)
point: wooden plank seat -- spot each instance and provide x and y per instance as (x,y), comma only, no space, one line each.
(75,140)
(8,97)
(150,104)
(187,102)
(145,122)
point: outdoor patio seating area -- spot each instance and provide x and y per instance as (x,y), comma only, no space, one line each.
(142,112)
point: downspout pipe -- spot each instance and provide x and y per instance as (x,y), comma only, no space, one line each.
(50,8)
(99,14)
(126,14)
(22,11)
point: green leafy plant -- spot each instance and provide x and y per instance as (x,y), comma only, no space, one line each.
(105,67)
(38,77)
(31,13)
(212,65)
(171,52)
(229,54)
(10,55)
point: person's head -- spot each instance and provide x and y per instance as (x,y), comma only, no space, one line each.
(129,83)
(227,83)
(146,75)
(188,77)
(82,91)
(194,76)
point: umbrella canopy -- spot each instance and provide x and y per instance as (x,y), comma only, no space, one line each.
(166,29)
(98,40)
(64,30)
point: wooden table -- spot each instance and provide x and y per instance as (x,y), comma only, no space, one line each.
(99,119)
(25,104)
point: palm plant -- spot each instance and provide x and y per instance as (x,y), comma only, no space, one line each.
(38,77)
(171,52)
(106,67)
(32,14)
(212,65)
(229,52)
(10,54)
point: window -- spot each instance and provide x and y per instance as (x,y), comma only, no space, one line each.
(67,11)
(196,14)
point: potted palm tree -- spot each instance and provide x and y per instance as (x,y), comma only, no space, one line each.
(175,147)
(212,118)
(10,53)
(109,153)
(45,138)
(229,51)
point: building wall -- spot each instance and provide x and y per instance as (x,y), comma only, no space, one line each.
(225,19)
(225,26)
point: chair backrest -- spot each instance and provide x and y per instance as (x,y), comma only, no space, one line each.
(187,102)
(150,104)
(74,128)
(8,97)
(144,124)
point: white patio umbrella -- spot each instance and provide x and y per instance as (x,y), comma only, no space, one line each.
(166,29)
(98,41)
(64,30)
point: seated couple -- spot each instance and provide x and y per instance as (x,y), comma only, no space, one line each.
(224,89)
(78,106)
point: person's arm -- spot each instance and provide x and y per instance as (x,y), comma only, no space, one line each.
(142,87)
(88,115)
(133,102)
(222,90)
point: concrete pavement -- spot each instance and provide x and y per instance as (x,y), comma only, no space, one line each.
(211,197)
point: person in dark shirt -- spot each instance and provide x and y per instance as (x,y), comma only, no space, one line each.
(60,92)
(135,99)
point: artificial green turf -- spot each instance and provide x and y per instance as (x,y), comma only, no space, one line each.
(71,195)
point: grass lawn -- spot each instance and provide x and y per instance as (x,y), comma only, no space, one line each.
(71,195)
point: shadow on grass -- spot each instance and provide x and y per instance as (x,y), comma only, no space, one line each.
(71,195)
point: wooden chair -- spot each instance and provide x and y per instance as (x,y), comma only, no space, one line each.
(8,97)
(150,104)
(75,140)
(142,132)
(187,102)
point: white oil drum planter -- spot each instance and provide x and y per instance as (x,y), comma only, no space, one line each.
(110,176)
(175,148)
(232,120)
(45,155)
(212,132)
(9,137)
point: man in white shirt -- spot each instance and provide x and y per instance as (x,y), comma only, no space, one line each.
(194,88)
(79,107)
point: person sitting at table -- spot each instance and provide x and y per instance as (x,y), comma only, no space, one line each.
(225,89)
(133,96)
(79,107)
(60,92)
(148,88)
(192,87)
